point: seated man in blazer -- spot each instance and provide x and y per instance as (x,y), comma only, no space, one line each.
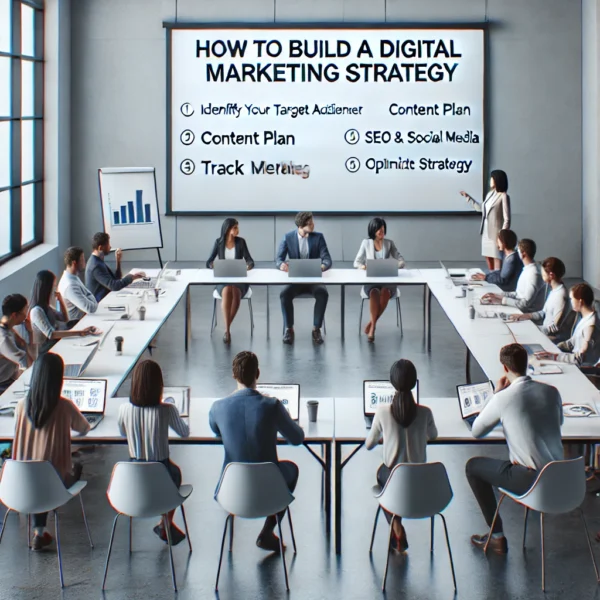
(248,423)
(303,242)
(507,276)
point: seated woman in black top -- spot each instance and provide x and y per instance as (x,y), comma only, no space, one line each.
(230,246)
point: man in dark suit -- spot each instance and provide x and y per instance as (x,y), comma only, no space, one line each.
(248,423)
(303,242)
(505,278)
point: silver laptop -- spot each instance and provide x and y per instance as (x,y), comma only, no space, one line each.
(472,398)
(148,282)
(230,268)
(382,267)
(288,393)
(89,395)
(456,278)
(380,392)
(305,267)
(78,369)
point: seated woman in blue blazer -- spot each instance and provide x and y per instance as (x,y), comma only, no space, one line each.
(377,246)
(229,247)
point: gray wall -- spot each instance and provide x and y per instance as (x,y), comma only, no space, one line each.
(534,126)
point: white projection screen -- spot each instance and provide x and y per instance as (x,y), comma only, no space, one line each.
(328,119)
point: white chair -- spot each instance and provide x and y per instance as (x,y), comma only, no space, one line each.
(415,491)
(254,491)
(144,490)
(558,489)
(364,297)
(247,296)
(31,487)
(307,297)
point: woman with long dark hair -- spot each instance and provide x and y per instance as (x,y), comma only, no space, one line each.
(230,246)
(43,424)
(145,422)
(405,427)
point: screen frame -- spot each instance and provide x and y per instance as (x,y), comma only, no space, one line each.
(365,381)
(464,385)
(88,412)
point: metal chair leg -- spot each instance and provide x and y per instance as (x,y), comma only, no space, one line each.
(213,322)
(400,315)
(432,532)
(281,551)
(251,317)
(587,537)
(130,535)
(170,543)
(397,313)
(28,532)
(374,529)
(525,525)
(221,554)
(187,533)
(543,553)
(85,521)
(110,544)
(362,302)
(449,550)
(487,543)
(4,525)
(231,527)
(289,514)
(387,556)
(58,552)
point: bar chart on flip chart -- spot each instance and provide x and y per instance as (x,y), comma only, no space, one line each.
(138,213)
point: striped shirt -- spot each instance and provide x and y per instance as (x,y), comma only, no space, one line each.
(147,429)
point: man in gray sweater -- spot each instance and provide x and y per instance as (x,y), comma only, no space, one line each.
(531,415)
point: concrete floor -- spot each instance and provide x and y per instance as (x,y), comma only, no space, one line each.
(335,369)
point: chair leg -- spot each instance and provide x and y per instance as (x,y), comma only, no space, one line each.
(251,317)
(130,535)
(110,544)
(587,537)
(187,533)
(168,530)
(387,556)
(493,523)
(543,553)
(432,532)
(400,315)
(221,554)
(281,551)
(231,527)
(289,514)
(85,521)
(213,322)
(28,532)
(397,313)
(324,326)
(374,529)
(525,526)
(4,525)
(449,550)
(362,302)
(58,552)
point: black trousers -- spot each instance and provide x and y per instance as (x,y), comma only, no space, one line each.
(290,473)
(484,474)
(287,295)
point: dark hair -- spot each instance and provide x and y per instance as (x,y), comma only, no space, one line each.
(555,266)
(403,376)
(508,238)
(528,247)
(44,391)
(583,292)
(500,180)
(375,225)
(245,367)
(303,218)
(73,254)
(42,290)
(100,239)
(228,224)
(514,358)
(13,303)
(146,384)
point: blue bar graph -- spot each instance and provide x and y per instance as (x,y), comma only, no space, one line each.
(116,217)
(123,215)
(133,213)
(138,206)
(147,213)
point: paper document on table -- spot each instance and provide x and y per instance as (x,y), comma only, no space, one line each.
(545,369)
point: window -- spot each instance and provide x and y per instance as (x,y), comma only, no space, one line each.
(21,126)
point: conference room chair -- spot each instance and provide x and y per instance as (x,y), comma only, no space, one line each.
(306,297)
(31,487)
(144,490)
(414,491)
(558,489)
(364,297)
(254,491)
(247,296)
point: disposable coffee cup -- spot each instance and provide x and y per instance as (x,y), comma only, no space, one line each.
(142,313)
(313,408)
(119,345)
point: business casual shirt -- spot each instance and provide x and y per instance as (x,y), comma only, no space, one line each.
(529,295)
(100,280)
(78,299)
(303,246)
(12,356)
(531,415)
(507,277)
(44,323)
(583,347)
(555,312)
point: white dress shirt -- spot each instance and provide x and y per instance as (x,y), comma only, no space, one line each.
(556,308)
(529,295)
(79,300)
(583,348)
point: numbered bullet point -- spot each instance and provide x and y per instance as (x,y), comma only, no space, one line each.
(187,137)
(187,166)
(352,136)
(353,164)
(187,110)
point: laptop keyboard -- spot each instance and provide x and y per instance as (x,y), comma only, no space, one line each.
(141,284)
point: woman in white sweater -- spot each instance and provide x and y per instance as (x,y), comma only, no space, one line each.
(405,427)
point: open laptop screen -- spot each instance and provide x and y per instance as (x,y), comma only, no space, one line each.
(473,397)
(381,392)
(288,393)
(88,394)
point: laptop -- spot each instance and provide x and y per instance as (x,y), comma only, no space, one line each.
(89,395)
(472,398)
(148,282)
(305,267)
(288,393)
(78,369)
(230,268)
(456,278)
(380,392)
(179,397)
(382,267)
(533,348)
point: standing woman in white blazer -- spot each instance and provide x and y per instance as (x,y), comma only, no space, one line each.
(495,215)
(377,247)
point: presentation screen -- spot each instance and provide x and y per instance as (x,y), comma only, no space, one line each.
(373,120)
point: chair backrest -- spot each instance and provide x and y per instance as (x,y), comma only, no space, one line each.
(142,489)
(31,487)
(253,490)
(417,491)
(559,488)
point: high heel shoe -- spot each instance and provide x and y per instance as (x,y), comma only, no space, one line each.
(227,338)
